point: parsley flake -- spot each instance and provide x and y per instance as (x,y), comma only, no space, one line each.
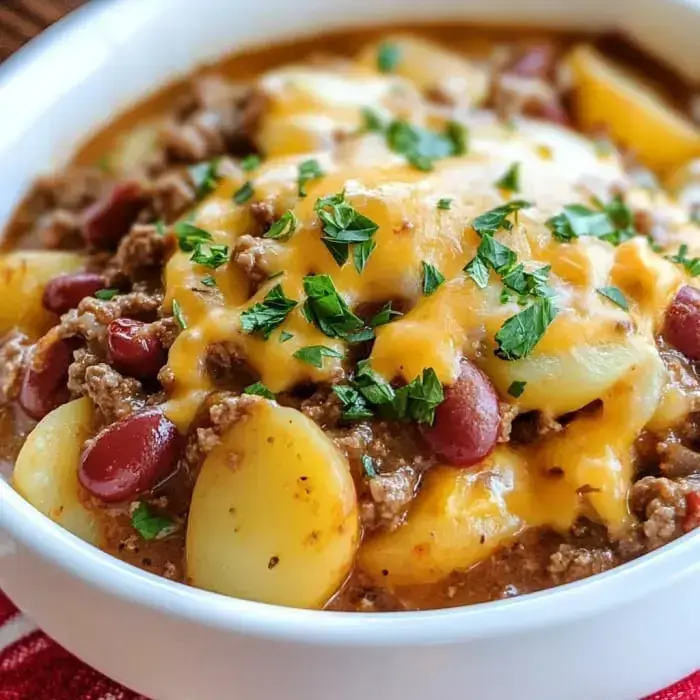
(259,389)
(615,296)
(510,180)
(371,120)
(262,318)
(205,177)
(354,405)
(160,228)
(388,56)
(177,313)
(308,170)
(106,294)
(384,315)
(691,265)
(369,467)
(313,354)
(516,389)
(613,222)
(208,281)
(149,525)
(422,147)
(432,278)
(518,336)
(418,400)
(445,203)
(190,236)
(478,271)
(213,255)
(326,309)
(496,219)
(285,336)
(284,227)
(242,195)
(251,162)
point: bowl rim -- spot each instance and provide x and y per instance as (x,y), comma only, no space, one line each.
(549,608)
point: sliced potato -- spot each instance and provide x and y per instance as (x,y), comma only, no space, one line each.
(606,95)
(46,472)
(459,518)
(274,512)
(23,276)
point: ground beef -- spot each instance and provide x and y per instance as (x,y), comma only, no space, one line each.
(571,563)
(679,461)
(392,495)
(172,193)
(13,354)
(249,254)
(143,250)
(263,214)
(660,505)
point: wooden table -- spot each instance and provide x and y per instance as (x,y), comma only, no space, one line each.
(20,20)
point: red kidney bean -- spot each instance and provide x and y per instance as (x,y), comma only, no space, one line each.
(65,292)
(692,511)
(682,324)
(133,350)
(130,456)
(109,219)
(467,421)
(44,385)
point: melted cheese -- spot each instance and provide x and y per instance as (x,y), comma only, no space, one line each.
(593,349)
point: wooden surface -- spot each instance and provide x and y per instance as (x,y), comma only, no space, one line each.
(20,20)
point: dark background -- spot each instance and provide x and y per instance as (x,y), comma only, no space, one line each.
(20,20)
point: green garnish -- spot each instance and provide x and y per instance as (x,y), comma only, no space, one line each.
(432,278)
(160,227)
(190,236)
(285,336)
(354,405)
(516,389)
(262,318)
(205,177)
(372,385)
(149,525)
(212,255)
(251,162)
(177,313)
(388,56)
(691,265)
(511,179)
(369,467)
(326,309)
(106,294)
(259,389)
(313,354)
(384,315)
(423,147)
(496,219)
(104,163)
(343,226)
(445,203)
(372,121)
(518,336)
(284,227)
(418,400)
(208,281)
(308,170)
(361,336)
(478,271)
(611,222)
(615,296)
(242,195)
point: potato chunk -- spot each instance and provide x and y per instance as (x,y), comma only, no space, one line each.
(274,512)
(605,95)
(23,276)
(459,517)
(46,472)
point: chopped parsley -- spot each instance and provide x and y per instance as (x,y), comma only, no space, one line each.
(213,255)
(516,389)
(372,385)
(354,405)
(478,271)
(313,354)
(177,313)
(518,336)
(372,121)
(284,227)
(445,203)
(422,147)
(106,294)
(262,318)
(242,195)
(384,315)
(613,222)
(160,228)
(691,265)
(432,278)
(208,281)
(327,310)
(369,467)
(190,236)
(418,400)
(388,56)
(259,389)
(251,162)
(149,525)
(361,336)
(511,179)
(343,226)
(496,219)
(615,296)
(308,170)
(205,177)
(285,336)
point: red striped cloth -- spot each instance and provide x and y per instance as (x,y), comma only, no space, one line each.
(34,667)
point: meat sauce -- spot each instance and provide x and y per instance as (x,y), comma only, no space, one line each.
(455,457)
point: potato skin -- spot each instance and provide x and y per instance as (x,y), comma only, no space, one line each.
(274,511)
(46,471)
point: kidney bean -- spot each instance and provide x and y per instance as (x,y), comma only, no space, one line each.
(44,385)
(692,511)
(109,219)
(65,292)
(130,456)
(682,323)
(133,350)
(467,421)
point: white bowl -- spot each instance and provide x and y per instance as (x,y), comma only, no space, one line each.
(619,635)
